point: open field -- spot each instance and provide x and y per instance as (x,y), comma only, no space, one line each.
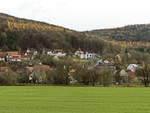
(54,99)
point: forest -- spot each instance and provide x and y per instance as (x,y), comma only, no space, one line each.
(20,34)
(130,33)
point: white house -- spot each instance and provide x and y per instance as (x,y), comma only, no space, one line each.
(90,55)
(13,56)
(133,67)
(59,53)
(49,52)
(80,54)
(85,55)
(2,56)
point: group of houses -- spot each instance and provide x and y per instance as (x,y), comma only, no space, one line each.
(13,56)
(80,54)
(16,56)
(38,71)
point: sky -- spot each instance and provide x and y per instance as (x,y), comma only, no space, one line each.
(81,15)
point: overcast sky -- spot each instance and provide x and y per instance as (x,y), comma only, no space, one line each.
(81,14)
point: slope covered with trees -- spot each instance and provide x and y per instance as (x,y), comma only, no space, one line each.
(129,33)
(20,34)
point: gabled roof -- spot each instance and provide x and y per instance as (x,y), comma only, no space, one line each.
(2,54)
(42,67)
(3,69)
(30,69)
(12,53)
(105,63)
(133,67)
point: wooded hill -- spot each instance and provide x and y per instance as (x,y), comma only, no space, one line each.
(128,33)
(20,34)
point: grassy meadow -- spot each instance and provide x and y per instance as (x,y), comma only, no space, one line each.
(55,99)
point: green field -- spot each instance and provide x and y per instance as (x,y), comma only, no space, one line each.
(53,99)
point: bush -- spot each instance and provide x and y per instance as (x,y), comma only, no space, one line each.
(106,77)
(8,78)
(58,76)
(23,78)
(87,77)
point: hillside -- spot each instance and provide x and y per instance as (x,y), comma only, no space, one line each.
(20,34)
(128,33)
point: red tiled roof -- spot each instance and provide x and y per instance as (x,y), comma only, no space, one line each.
(30,69)
(42,67)
(13,53)
(3,69)
(2,54)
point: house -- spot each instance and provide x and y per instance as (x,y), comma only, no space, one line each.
(27,52)
(123,73)
(35,53)
(29,69)
(124,76)
(105,63)
(30,53)
(90,55)
(41,67)
(80,54)
(10,56)
(49,52)
(2,56)
(9,53)
(111,60)
(101,64)
(13,56)
(132,70)
(25,57)
(3,69)
(84,55)
(71,76)
(133,67)
(120,76)
(57,52)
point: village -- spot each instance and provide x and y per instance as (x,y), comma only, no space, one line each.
(33,63)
